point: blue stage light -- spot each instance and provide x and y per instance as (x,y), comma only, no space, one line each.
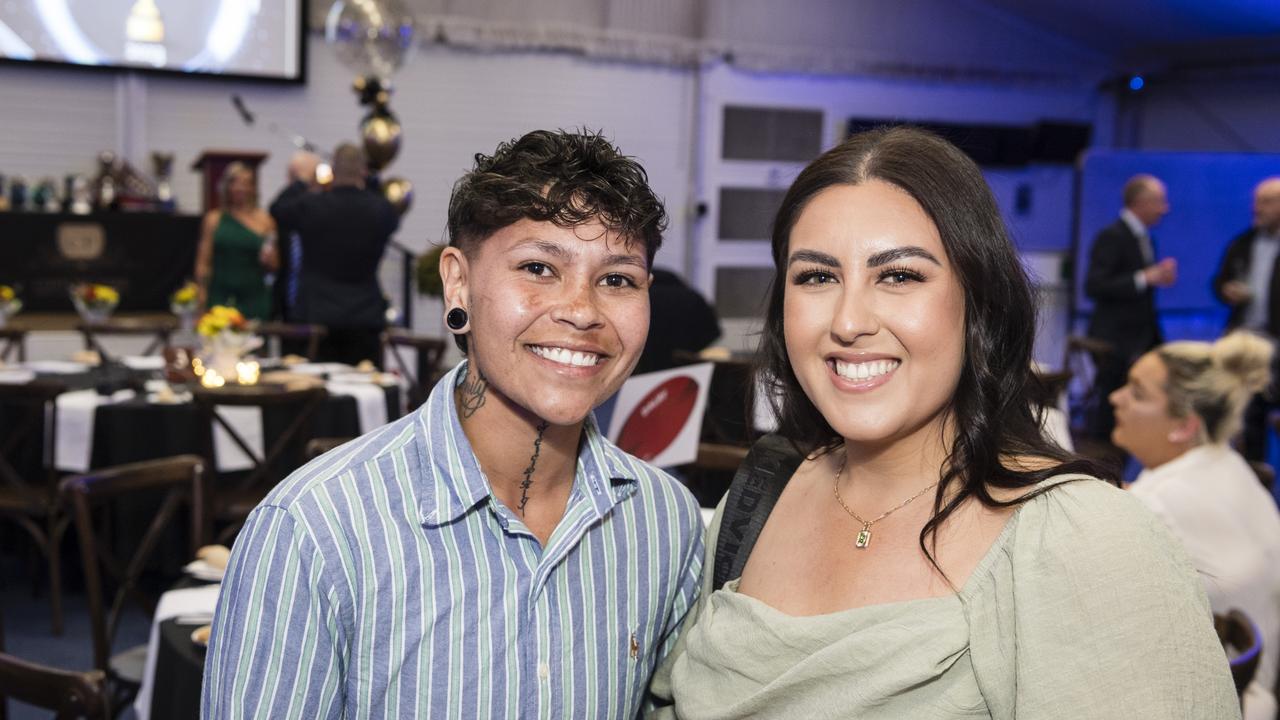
(1136,82)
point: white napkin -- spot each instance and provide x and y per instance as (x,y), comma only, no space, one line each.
(247,421)
(191,601)
(143,362)
(319,368)
(56,367)
(17,376)
(75,427)
(371,402)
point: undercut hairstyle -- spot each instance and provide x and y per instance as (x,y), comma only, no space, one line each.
(566,178)
(993,409)
(1216,380)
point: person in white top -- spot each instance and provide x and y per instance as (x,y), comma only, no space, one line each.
(1183,402)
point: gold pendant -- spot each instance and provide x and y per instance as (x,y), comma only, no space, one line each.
(864,539)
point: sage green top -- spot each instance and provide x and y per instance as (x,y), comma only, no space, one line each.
(1084,607)
(238,279)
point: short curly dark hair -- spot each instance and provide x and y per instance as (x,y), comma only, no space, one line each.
(564,177)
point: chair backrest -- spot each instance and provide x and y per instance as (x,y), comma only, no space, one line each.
(421,375)
(311,334)
(28,409)
(282,456)
(68,694)
(15,344)
(157,328)
(180,481)
(320,446)
(1243,644)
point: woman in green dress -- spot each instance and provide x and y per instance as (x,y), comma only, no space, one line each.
(933,555)
(237,248)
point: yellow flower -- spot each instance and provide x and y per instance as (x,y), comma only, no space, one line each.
(106,294)
(7,293)
(220,318)
(186,295)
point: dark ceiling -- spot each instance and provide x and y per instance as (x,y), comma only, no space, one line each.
(1135,32)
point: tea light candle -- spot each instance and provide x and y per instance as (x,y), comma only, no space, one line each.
(247,372)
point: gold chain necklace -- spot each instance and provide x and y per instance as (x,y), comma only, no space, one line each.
(864,537)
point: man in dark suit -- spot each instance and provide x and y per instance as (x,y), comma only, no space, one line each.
(1247,282)
(344,232)
(1122,275)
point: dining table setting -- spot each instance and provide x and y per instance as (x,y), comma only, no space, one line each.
(126,409)
(180,634)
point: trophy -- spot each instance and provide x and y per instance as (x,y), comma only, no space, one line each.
(162,168)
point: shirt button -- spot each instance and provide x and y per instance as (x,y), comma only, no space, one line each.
(544,670)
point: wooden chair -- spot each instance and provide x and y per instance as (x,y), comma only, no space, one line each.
(294,333)
(320,446)
(1243,646)
(180,480)
(68,694)
(230,503)
(28,480)
(422,374)
(159,329)
(15,344)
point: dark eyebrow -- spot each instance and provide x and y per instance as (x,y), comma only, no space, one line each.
(549,248)
(632,260)
(898,253)
(563,253)
(813,256)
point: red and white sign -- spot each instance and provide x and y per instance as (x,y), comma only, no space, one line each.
(658,416)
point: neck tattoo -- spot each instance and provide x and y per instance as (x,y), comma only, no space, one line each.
(471,394)
(533,463)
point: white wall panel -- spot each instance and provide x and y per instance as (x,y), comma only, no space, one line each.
(54,122)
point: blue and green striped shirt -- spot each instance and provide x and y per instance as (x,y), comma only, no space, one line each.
(384,580)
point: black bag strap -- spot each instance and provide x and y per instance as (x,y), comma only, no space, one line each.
(754,491)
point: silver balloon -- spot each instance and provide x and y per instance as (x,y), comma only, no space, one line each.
(371,37)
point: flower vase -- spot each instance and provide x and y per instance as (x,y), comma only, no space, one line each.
(225,350)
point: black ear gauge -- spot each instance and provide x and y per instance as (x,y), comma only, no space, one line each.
(456,318)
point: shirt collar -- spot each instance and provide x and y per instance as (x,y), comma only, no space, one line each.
(451,483)
(1178,467)
(1135,225)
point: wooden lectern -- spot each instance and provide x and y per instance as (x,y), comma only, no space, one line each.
(213,163)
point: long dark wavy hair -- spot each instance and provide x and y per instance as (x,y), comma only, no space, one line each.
(992,409)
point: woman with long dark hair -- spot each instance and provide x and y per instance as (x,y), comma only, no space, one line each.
(933,555)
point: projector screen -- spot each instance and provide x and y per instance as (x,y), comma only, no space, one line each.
(260,39)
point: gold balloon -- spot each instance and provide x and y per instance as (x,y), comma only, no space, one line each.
(399,192)
(381,135)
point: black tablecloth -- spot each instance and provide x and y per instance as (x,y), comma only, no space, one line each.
(136,430)
(179,672)
(146,256)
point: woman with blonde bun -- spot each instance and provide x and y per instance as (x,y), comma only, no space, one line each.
(1183,402)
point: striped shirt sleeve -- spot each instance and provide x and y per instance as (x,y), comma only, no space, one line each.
(276,646)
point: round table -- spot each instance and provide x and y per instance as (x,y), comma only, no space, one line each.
(179,672)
